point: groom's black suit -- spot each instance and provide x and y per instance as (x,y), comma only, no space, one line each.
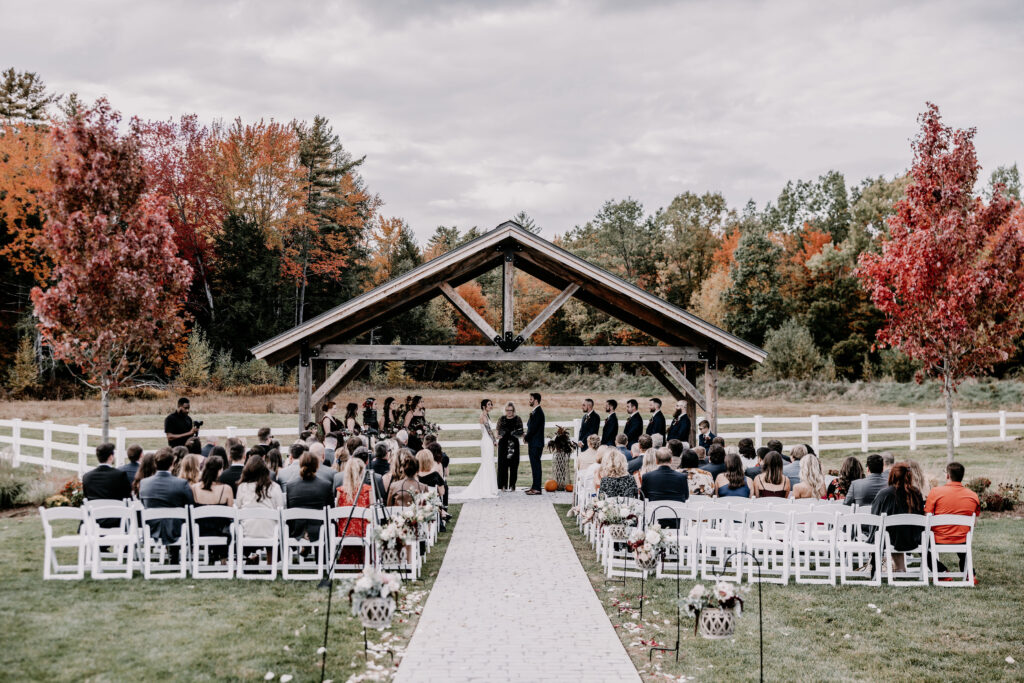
(534,439)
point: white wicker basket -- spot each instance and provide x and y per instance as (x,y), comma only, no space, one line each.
(717,623)
(376,612)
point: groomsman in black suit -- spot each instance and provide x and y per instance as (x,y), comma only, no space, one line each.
(534,440)
(634,423)
(680,426)
(106,483)
(656,425)
(589,424)
(611,423)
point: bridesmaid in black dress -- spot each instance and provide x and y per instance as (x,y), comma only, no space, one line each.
(388,427)
(415,419)
(510,432)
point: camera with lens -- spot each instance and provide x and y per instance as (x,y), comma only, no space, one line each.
(197,423)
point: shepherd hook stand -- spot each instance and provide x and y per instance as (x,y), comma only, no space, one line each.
(760,610)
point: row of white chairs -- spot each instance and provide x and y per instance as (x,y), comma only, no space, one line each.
(815,544)
(113,539)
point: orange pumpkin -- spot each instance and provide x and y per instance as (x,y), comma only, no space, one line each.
(568,487)
(550,485)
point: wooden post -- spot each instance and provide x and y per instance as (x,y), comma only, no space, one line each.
(956,429)
(319,376)
(16,440)
(508,278)
(711,388)
(1002,425)
(758,431)
(913,431)
(47,444)
(305,390)
(864,417)
(83,449)
(121,446)
(816,435)
(690,370)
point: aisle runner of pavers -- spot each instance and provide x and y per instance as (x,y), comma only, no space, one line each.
(512,603)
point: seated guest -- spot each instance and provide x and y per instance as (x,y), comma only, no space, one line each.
(792,470)
(716,462)
(404,491)
(396,458)
(620,443)
(322,470)
(863,491)
(747,452)
(264,436)
(230,476)
(589,456)
(776,445)
(380,463)
(290,472)
(444,459)
(812,480)
(699,481)
(208,448)
(257,490)
(162,490)
(147,468)
(643,444)
(179,454)
(273,460)
(702,454)
(338,467)
(439,466)
(594,471)
(354,445)
(194,445)
(430,472)
(330,445)
(704,435)
(900,497)
(357,494)
(732,482)
(771,483)
(134,452)
(615,479)
(664,483)
(649,465)
(952,499)
(103,482)
(191,466)
(850,471)
(920,481)
(657,441)
(718,441)
(209,490)
(676,448)
(888,459)
(758,465)
(309,491)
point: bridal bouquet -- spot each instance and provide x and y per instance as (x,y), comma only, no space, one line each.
(724,595)
(371,584)
(647,544)
(428,429)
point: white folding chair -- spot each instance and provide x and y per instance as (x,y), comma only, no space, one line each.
(203,566)
(767,537)
(52,567)
(915,559)
(112,548)
(161,566)
(854,554)
(303,558)
(337,518)
(680,558)
(814,547)
(951,578)
(721,535)
(258,553)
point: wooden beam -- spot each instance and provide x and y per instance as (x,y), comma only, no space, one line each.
(305,391)
(711,391)
(468,311)
(581,354)
(548,311)
(331,382)
(659,374)
(508,272)
(691,405)
(680,379)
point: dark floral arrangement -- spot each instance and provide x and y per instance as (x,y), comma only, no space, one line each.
(562,442)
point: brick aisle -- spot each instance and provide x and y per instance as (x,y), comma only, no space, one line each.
(512,603)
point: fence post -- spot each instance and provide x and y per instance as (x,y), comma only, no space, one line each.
(121,447)
(16,441)
(47,447)
(956,429)
(83,448)
(758,431)
(815,434)
(913,431)
(864,432)
(1002,425)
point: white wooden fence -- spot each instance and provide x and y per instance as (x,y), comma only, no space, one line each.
(72,447)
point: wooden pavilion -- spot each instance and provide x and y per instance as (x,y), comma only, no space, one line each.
(686,340)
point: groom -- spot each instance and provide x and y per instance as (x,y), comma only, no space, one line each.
(534,440)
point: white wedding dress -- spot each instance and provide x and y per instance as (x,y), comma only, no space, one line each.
(485,483)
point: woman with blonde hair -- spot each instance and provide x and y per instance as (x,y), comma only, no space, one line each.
(615,477)
(429,474)
(919,480)
(812,481)
(356,493)
(649,464)
(190,466)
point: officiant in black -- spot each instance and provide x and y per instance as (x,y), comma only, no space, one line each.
(510,431)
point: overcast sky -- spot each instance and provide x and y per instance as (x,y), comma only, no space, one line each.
(469,112)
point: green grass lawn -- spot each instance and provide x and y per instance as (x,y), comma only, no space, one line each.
(128,630)
(830,633)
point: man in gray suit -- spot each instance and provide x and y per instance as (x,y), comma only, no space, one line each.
(863,491)
(163,490)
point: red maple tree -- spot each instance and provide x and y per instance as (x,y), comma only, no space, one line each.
(950,278)
(117,289)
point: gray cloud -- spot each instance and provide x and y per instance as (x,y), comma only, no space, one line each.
(469,112)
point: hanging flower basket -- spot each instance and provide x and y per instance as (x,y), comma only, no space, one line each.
(617,532)
(390,557)
(716,623)
(646,561)
(376,612)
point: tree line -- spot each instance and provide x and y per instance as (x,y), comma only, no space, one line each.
(274,224)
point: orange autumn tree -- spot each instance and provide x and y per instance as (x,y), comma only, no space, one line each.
(26,153)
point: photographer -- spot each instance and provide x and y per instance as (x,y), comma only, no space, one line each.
(178,426)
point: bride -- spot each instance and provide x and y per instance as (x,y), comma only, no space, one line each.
(485,483)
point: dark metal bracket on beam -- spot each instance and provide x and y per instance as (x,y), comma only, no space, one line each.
(509,342)
(710,357)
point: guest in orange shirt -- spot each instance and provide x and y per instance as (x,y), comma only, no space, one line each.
(952,499)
